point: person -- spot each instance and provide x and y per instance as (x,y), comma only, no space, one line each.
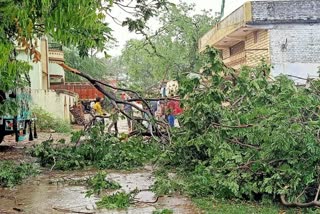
(98,112)
(173,109)
(97,107)
(114,121)
(91,105)
(128,110)
(153,106)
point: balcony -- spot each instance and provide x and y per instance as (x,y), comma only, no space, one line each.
(56,54)
(230,30)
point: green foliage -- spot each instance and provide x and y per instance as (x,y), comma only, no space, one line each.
(156,58)
(101,151)
(22,21)
(77,23)
(119,200)
(46,122)
(246,136)
(99,68)
(99,183)
(164,211)
(12,174)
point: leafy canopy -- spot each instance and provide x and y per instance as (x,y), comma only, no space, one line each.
(79,23)
(171,50)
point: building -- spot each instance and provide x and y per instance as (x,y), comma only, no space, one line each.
(286,33)
(85,90)
(45,73)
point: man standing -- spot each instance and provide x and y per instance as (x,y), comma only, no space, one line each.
(128,110)
(114,121)
(173,109)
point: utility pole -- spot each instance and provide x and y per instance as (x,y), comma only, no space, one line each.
(222,10)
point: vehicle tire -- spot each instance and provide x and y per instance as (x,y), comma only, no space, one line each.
(1,137)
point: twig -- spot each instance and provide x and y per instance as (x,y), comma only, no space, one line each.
(153,99)
(317,195)
(297,77)
(237,101)
(72,211)
(235,127)
(54,164)
(301,194)
(235,141)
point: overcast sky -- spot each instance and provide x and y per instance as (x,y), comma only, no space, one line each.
(123,35)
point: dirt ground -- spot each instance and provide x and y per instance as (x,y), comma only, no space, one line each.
(17,151)
(11,150)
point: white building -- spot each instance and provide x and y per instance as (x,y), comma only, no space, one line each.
(286,33)
(47,72)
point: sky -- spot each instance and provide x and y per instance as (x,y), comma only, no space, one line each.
(123,35)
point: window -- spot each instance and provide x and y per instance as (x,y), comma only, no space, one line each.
(237,48)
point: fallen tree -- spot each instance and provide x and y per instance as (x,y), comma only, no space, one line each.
(247,137)
(243,135)
(158,128)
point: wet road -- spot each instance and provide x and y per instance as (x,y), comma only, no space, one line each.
(64,192)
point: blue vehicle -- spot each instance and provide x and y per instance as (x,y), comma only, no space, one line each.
(19,125)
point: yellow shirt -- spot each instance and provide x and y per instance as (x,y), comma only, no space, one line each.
(98,109)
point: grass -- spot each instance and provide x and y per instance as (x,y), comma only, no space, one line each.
(209,205)
(164,211)
(212,206)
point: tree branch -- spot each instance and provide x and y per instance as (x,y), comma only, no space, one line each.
(297,204)
(235,141)
(114,101)
(234,127)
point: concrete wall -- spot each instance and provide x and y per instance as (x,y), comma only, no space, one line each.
(58,104)
(35,72)
(295,49)
(285,11)
(55,69)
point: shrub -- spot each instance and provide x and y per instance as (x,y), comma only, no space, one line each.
(46,122)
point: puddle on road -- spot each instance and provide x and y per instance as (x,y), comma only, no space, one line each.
(64,192)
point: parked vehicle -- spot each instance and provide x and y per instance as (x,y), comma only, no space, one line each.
(19,125)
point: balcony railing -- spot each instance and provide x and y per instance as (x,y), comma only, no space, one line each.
(250,57)
(236,59)
(55,46)
(55,53)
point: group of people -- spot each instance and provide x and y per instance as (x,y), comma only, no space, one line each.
(164,110)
